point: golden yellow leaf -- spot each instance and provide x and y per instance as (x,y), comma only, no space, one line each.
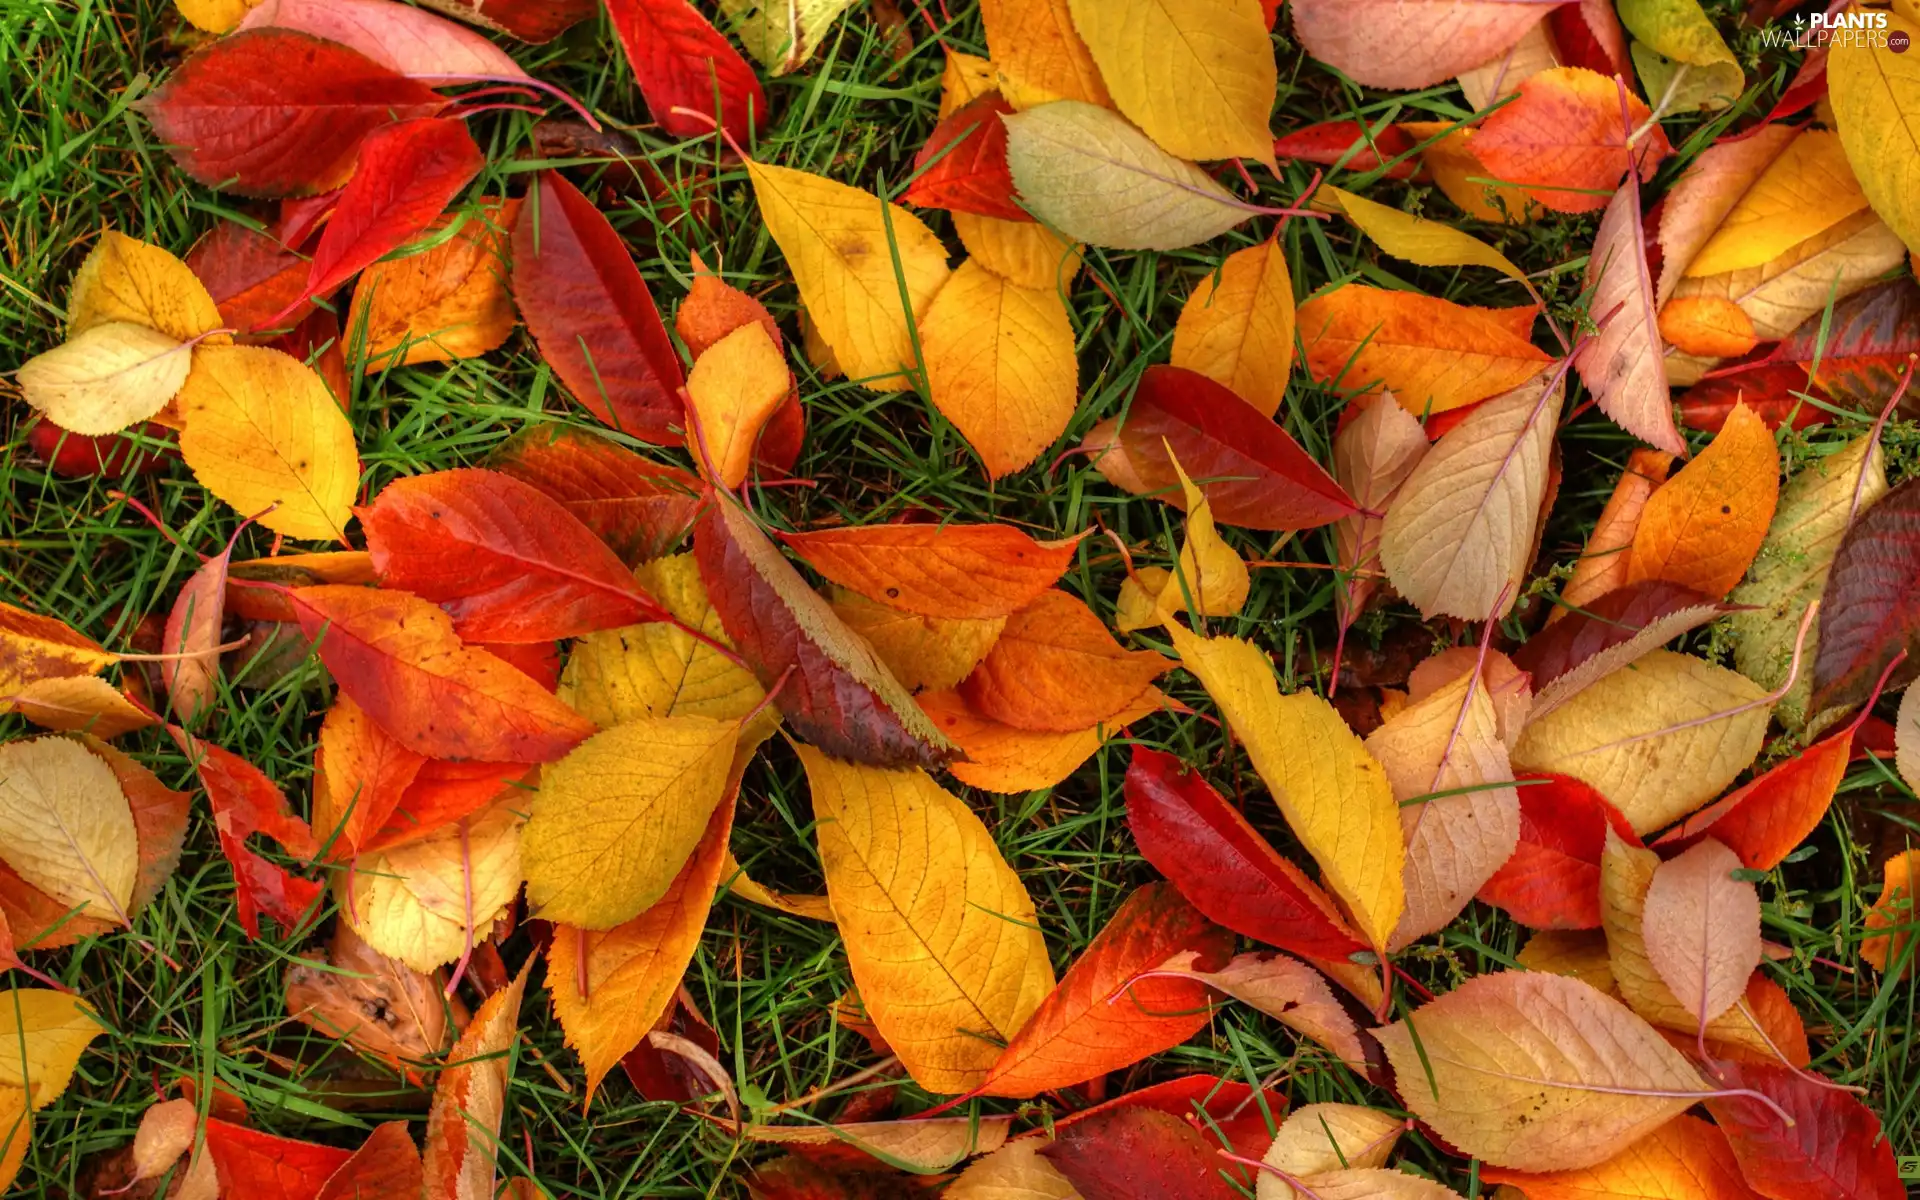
(1659,738)
(1417,240)
(1807,190)
(33,647)
(739,883)
(79,703)
(263,430)
(924,653)
(1876,107)
(733,388)
(840,244)
(1024,253)
(107,378)
(659,670)
(1333,794)
(1039,53)
(967,77)
(609,989)
(940,933)
(1237,327)
(215,16)
(445,303)
(66,827)
(1458,174)
(42,1035)
(1830,266)
(124,279)
(1894,911)
(1432,354)
(615,820)
(1210,579)
(1000,365)
(1198,76)
(1707,191)
(1577,953)
(16,1130)
(430,900)
(1016,1171)
(1502,75)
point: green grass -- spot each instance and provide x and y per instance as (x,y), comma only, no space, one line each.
(74,161)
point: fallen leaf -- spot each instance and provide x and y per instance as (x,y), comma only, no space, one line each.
(1016,1171)
(1000,758)
(832,688)
(1798,285)
(1228,1114)
(1087,173)
(1603,564)
(1432,354)
(1623,365)
(107,378)
(1103,1016)
(1039,54)
(376,1004)
(1495,79)
(1333,794)
(1804,190)
(402,38)
(1832,1146)
(1707,327)
(124,279)
(1684,1157)
(1876,103)
(640,508)
(1459,536)
(1703,527)
(361,772)
(386,1164)
(445,792)
(1285,989)
(683,63)
(245,801)
(1590,1077)
(616,819)
(842,245)
(1372,457)
(1552,881)
(249,273)
(1564,141)
(43,1033)
(527,20)
(1605,634)
(1577,954)
(589,310)
(952,571)
(79,704)
(1209,579)
(924,1146)
(732,391)
(1664,708)
(166,1133)
(1711,187)
(1000,365)
(1197,78)
(1393,44)
(1447,154)
(399,658)
(1894,910)
(67,827)
(1858,358)
(193,635)
(1702,929)
(429,901)
(247,1161)
(1237,326)
(265,435)
(272,112)
(963,166)
(1416,239)
(1056,669)
(1137,1152)
(1767,818)
(446,303)
(1866,617)
(463,1126)
(967,77)
(1024,253)
(937,981)
(782,34)
(1318,1138)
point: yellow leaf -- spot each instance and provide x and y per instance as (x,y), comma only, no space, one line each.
(79,703)
(733,388)
(33,647)
(107,378)
(127,280)
(1198,76)
(1577,953)
(215,16)
(782,33)
(1317,1138)
(1659,738)
(1458,174)
(940,933)
(446,303)
(1876,107)
(1807,190)
(1237,327)
(1681,31)
(1417,240)
(263,430)
(66,827)
(615,820)
(631,972)
(1210,573)
(1016,1171)
(1707,191)
(1024,253)
(430,900)
(1000,365)
(16,1130)
(924,653)
(1433,354)
(739,883)
(1333,794)
(1502,75)
(1039,53)
(840,243)
(967,77)
(42,1035)
(1087,173)
(1602,565)
(1830,266)
(659,670)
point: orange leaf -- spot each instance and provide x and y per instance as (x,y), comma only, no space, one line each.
(639,507)
(468,1101)
(386,1164)
(1433,355)
(965,572)
(1709,326)
(33,647)
(1056,669)
(1702,528)
(260,1166)
(397,656)
(360,773)
(1563,142)
(1602,566)
(1685,1157)
(1767,818)
(1893,911)
(1098,1019)
(1000,758)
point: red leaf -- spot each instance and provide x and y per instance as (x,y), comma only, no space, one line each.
(1834,1149)
(507,562)
(79,456)
(386,1164)
(260,1166)
(1259,477)
(399,659)
(1138,1154)
(249,274)
(1862,351)
(1099,1019)
(270,112)
(1870,610)
(963,166)
(538,661)
(1604,623)
(640,508)
(1589,35)
(1766,819)
(1553,879)
(681,62)
(1769,389)
(246,802)
(657,1075)
(529,20)
(592,315)
(1223,1111)
(407,176)
(831,687)
(441,794)
(1229,872)
(1328,142)
(316,341)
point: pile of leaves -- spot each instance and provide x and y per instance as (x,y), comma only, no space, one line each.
(563,673)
